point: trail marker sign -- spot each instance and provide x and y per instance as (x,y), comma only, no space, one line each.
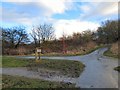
(39,50)
(37,54)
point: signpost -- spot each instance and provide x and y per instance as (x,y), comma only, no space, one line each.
(37,54)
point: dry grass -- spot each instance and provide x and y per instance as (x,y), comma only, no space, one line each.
(112,51)
(114,48)
(82,49)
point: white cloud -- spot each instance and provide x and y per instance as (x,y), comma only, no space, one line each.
(55,6)
(12,16)
(65,0)
(70,26)
(85,8)
(101,9)
(51,7)
(97,0)
(46,9)
(15,1)
(111,9)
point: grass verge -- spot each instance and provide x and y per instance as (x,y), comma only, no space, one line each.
(8,61)
(93,49)
(23,82)
(66,67)
(74,54)
(110,54)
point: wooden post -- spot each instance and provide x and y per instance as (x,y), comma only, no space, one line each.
(37,54)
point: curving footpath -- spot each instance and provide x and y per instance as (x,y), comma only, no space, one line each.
(99,71)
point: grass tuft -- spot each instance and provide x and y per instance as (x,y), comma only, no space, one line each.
(8,61)
(23,82)
(66,67)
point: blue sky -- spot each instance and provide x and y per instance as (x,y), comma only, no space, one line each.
(66,16)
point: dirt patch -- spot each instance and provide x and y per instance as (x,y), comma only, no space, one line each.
(45,72)
(67,68)
(9,81)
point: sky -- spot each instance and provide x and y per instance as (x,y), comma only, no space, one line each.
(66,16)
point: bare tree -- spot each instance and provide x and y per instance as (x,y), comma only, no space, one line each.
(21,36)
(34,36)
(42,33)
(47,32)
(14,36)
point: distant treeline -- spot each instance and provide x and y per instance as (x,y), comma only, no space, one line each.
(16,41)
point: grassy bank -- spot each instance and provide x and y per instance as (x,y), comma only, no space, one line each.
(22,82)
(93,49)
(66,67)
(112,51)
(73,54)
(110,54)
(8,61)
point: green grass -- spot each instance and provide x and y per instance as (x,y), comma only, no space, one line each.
(110,54)
(23,82)
(66,67)
(8,61)
(117,68)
